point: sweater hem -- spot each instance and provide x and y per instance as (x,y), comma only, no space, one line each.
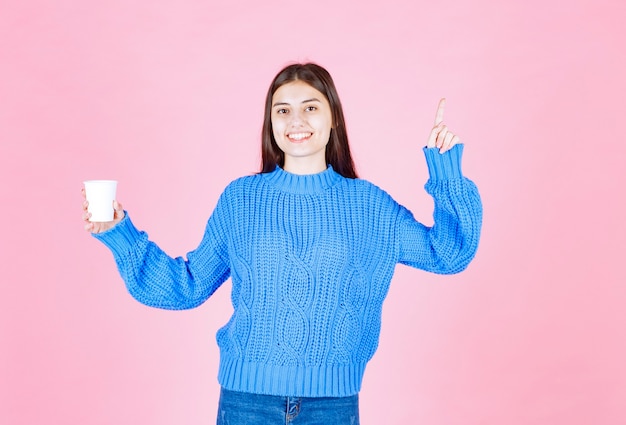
(339,380)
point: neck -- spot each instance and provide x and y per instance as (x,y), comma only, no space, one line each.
(308,184)
(304,166)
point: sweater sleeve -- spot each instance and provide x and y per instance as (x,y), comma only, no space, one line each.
(451,243)
(158,280)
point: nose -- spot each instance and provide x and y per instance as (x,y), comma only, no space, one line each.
(297,120)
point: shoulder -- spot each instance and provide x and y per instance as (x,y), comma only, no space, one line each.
(243,183)
(363,185)
(238,190)
(368,191)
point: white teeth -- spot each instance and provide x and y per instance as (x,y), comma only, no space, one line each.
(299,136)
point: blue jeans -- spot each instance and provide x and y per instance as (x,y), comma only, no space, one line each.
(237,408)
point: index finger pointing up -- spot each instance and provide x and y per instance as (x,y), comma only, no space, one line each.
(439,116)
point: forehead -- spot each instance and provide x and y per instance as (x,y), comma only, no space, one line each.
(296,92)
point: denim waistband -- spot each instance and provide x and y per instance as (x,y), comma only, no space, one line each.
(238,408)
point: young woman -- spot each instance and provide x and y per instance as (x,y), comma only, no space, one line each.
(311,250)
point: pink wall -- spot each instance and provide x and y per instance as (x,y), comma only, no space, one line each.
(167,97)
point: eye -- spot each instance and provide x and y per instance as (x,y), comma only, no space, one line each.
(311,108)
(281,111)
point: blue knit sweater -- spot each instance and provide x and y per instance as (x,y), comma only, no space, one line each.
(311,258)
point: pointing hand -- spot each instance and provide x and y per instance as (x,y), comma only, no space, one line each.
(440,137)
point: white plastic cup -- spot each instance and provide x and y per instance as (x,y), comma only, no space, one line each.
(100,195)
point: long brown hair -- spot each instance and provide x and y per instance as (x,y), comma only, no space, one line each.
(338,150)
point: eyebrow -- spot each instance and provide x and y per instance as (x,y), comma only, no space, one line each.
(313,99)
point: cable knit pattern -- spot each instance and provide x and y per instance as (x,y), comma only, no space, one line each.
(311,258)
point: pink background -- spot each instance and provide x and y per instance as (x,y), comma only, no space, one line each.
(167,97)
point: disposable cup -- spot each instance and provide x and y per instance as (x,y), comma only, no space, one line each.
(100,195)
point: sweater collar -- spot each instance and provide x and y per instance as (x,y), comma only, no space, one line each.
(303,184)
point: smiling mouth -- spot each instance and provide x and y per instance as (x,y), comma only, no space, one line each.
(298,137)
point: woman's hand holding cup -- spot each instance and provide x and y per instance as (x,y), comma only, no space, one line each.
(105,211)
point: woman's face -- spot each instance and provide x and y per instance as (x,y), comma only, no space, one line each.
(301,122)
